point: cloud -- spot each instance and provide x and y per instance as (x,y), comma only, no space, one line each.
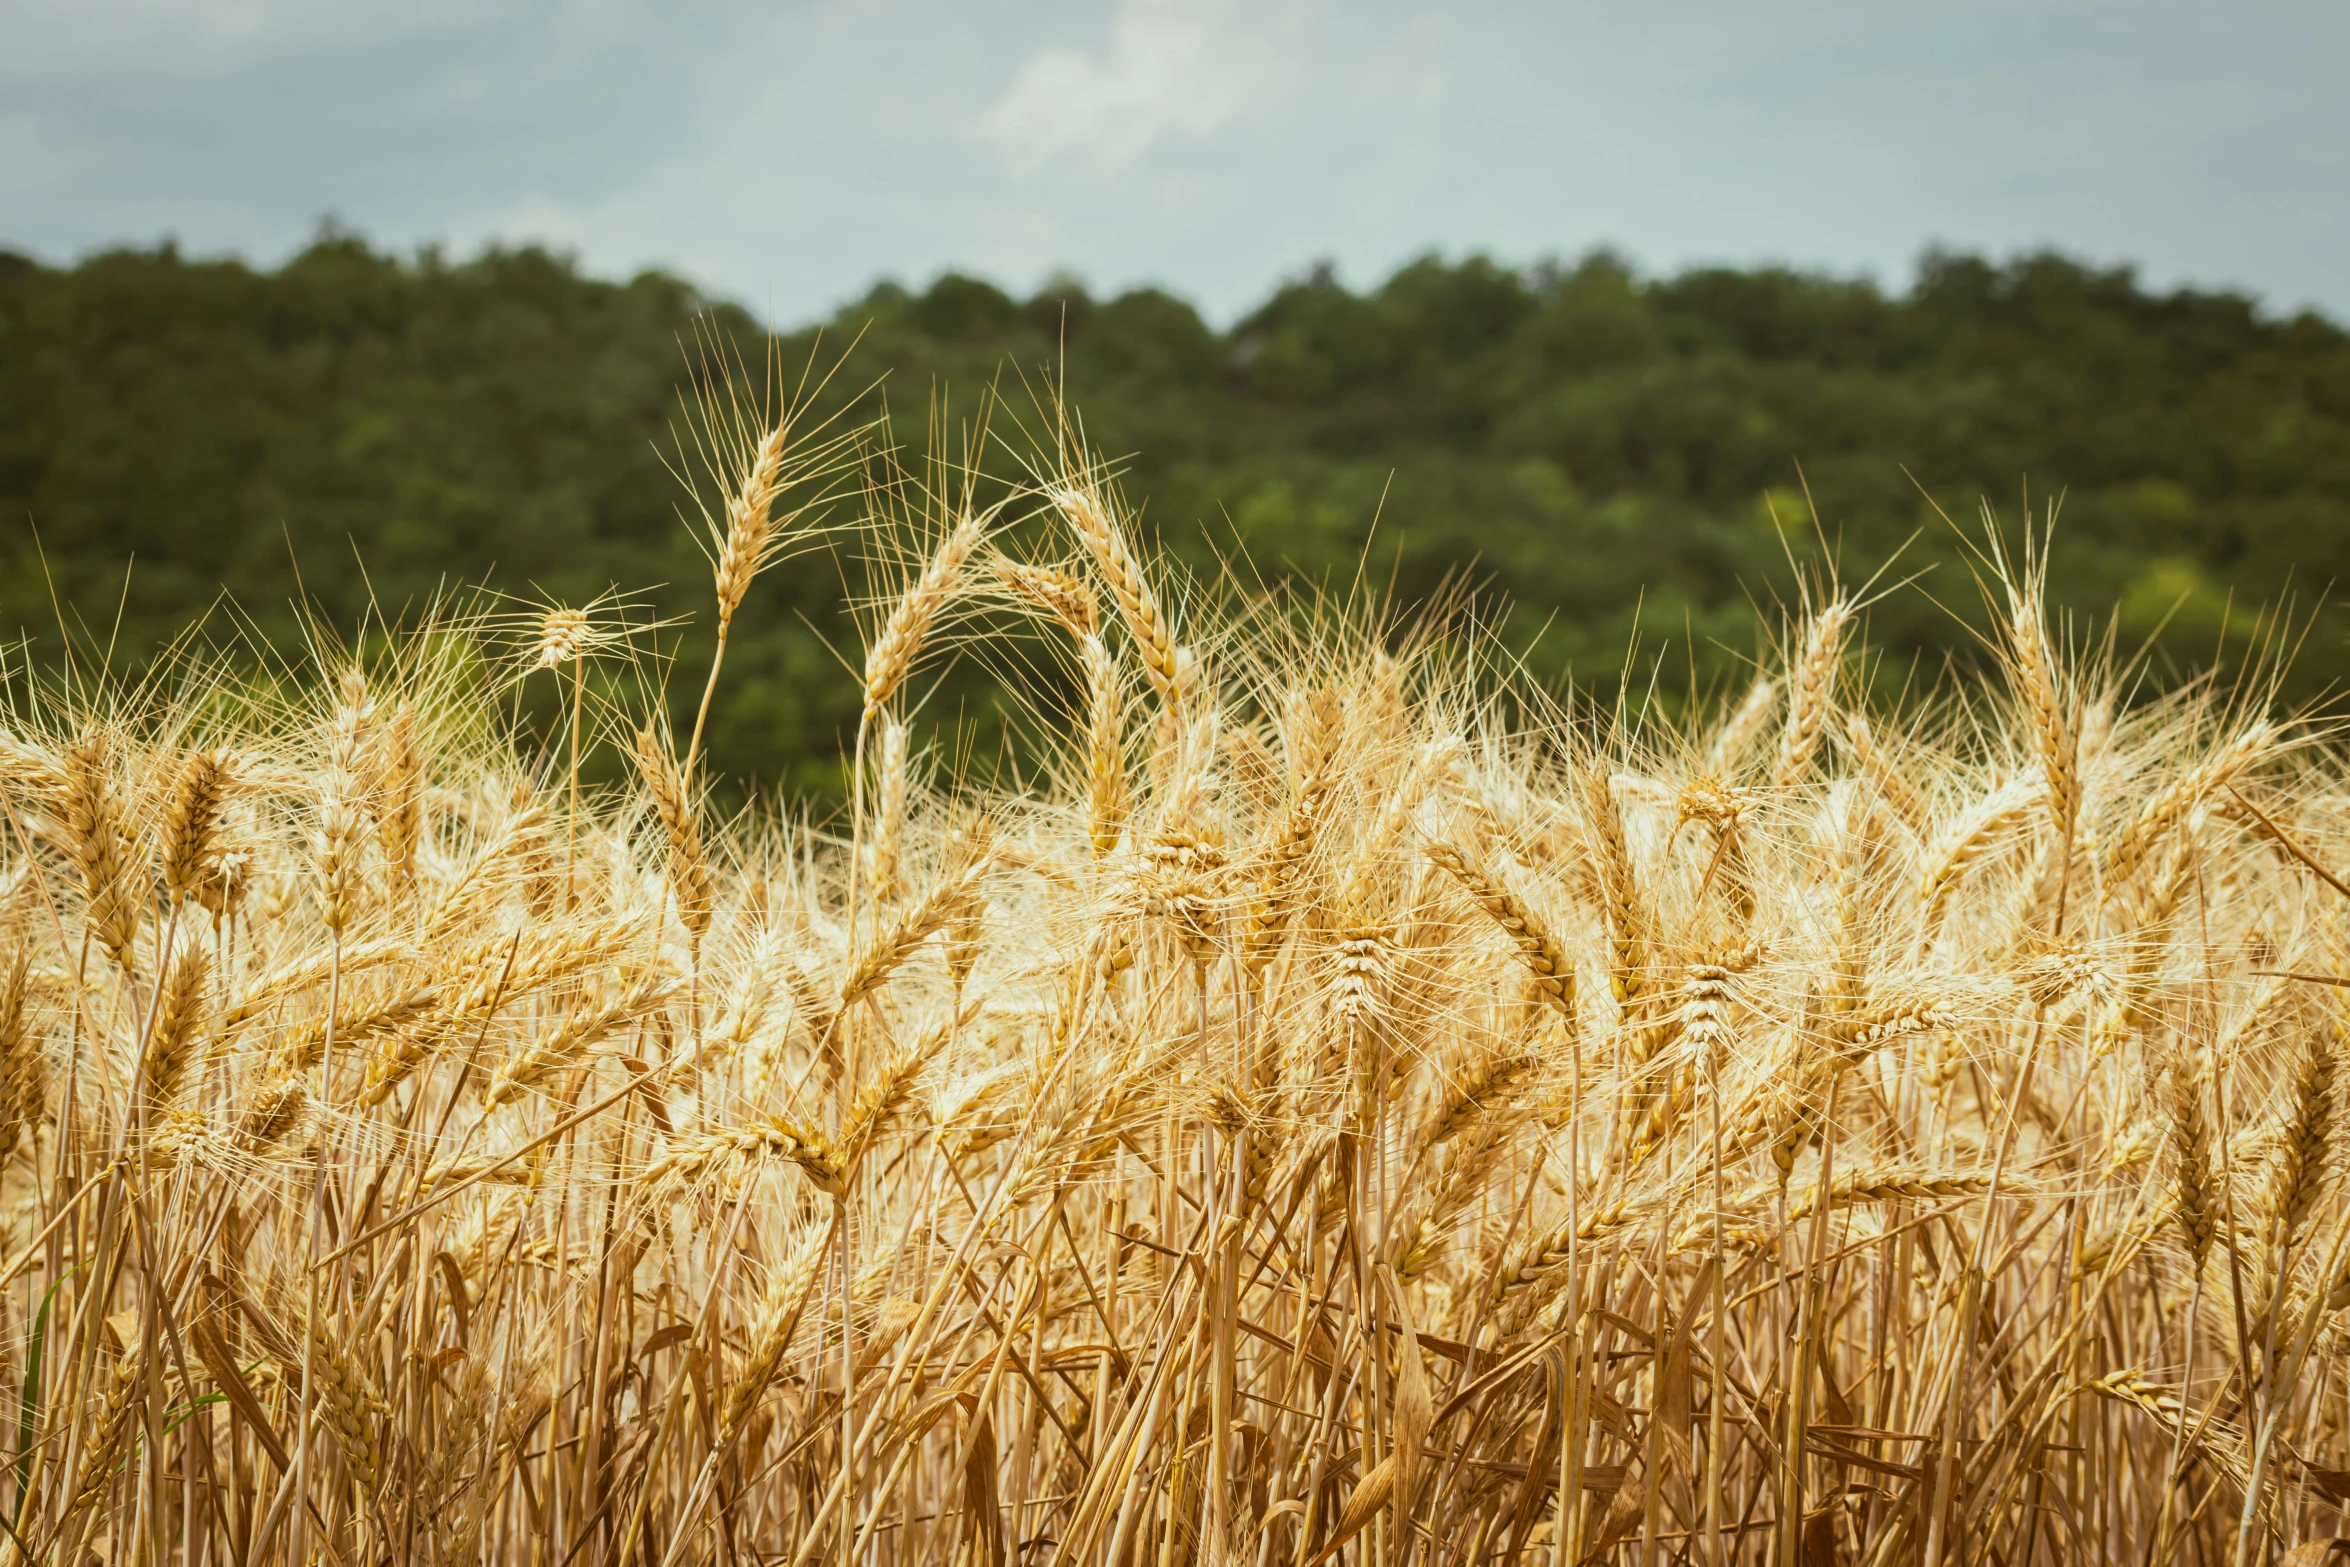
(1173,68)
(787,152)
(181,40)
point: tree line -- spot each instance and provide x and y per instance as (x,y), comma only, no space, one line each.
(1620,468)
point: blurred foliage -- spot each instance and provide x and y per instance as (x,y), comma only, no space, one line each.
(1613,460)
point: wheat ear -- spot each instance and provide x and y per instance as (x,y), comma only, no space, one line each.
(490,974)
(686,1159)
(1058,593)
(179,1016)
(109,1432)
(339,806)
(277,1109)
(873,966)
(191,820)
(1069,601)
(744,549)
(1811,693)
(1897,1185)
(399,799)
(1627,923)
(1316,745)
(23,1073)
(2045,707)
(2128,850)
(1368,865)
(1106,796)
(966,927)
(772,1327)
(881,1101)
(2304,1146)
(689,863)
(2191,1167)
(1545,959)
(355,1411)
(100,842)
(891,657)
(750,521)
(583,1029)
(1967,841)
(1154,636)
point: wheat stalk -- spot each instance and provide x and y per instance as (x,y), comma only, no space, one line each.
(889,828)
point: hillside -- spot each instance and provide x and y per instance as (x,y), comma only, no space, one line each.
(1592,445)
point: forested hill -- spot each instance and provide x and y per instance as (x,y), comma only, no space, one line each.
(1595,444)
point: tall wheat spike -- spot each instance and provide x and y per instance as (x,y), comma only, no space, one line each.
(748,533)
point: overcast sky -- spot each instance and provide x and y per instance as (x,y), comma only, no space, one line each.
(790,153)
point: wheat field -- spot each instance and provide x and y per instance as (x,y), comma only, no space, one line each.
(1342,1107)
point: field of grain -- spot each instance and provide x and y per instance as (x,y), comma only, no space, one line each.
(1347,1108)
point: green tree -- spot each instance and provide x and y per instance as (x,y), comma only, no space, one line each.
(1623,461)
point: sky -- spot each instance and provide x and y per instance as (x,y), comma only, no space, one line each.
(789,154)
